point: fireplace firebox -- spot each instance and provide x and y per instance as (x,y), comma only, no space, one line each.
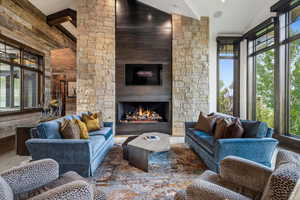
(141,117)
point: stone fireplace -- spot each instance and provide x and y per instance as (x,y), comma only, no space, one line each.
(113,34)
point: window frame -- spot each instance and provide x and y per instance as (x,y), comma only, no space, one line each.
(40,71)
(285,66)
(235,41)
(252,36)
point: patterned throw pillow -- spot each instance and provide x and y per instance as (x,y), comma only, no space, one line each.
(84,134)
(70,130)
(205,123)
(234,130)
(91,121)
(221,127)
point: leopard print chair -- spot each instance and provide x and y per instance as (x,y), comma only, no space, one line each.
(241,179)
(39,180)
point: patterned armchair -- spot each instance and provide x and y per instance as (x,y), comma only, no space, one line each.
(39,180)
(241,179)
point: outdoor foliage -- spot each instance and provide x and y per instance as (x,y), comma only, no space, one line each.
(294,111)
(265,87)
(225,98)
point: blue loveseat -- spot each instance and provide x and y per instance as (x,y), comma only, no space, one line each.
(256,145)
(80,155)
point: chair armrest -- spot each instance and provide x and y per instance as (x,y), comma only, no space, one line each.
(245,173)
(208,191)
(256,149)
(70,191)
(108,124)
(69,151)
(31,176)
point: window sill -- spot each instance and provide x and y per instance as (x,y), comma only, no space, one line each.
(291,142)
(26,111)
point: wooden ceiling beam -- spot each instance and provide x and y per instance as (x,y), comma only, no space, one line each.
(62,16)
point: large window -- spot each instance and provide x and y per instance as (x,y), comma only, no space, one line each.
(261,68)
(21,76)
(228,69)
(289,29)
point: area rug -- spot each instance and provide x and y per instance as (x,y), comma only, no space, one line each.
(167,174)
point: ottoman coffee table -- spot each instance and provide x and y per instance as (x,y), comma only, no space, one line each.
(140,149)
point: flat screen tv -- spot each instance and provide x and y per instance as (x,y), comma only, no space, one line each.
(143,74)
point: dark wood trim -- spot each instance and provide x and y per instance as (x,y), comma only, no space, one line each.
(24,111)
(63,16)
(251,35)
(17,44)
(66,32)
(41,69)
(229,39)
(235,41)
(283,6)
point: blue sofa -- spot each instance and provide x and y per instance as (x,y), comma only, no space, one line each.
(257,144)
(80,155)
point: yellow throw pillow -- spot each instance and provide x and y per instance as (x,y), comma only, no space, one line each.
(91,121)
(84,134)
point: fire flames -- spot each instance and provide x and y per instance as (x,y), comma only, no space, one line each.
(142,115)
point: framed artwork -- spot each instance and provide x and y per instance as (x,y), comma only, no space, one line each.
(72,89)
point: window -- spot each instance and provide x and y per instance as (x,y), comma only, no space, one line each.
(261,68)
(228,68)
(289,24)
(21,77)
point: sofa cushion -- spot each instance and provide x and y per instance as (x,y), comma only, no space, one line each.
(221,127)
(254,129)
(205,123)
(49,130)
(84,134)
(205,140)
(106,132)
(91,121)
(97,142)
(69,129)
(234,130)
(270,132)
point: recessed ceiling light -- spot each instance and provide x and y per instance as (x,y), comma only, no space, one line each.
(223,1)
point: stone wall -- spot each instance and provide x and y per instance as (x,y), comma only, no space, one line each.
(190,70)
(21,21)
(96,57)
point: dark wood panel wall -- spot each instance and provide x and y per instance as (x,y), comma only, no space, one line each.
(143,36)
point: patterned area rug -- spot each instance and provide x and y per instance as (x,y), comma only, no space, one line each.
(168,173)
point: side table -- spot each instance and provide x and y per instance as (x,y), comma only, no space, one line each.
(23,134)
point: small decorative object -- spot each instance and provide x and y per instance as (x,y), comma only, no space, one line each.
(72,89)
(152,138)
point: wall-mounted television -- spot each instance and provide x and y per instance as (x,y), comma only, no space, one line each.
(143,74)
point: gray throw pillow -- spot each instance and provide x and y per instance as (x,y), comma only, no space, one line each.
(254,129)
